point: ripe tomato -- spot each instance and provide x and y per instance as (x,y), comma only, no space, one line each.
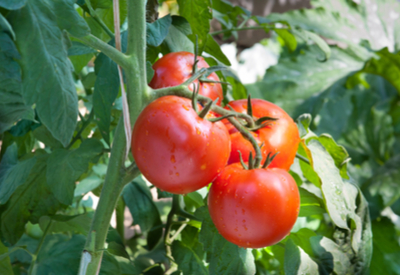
(280,136)
(175,149)
(175,68)
(253,208)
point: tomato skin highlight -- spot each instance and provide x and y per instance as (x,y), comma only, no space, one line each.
(254,208)
(175,149)
(175,68)
(280,136)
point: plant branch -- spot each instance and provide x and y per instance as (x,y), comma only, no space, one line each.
(115,55)
(112,187)
(93,14)
(136,80)
(242,29)
(300,157)
(84,125)
(34,256)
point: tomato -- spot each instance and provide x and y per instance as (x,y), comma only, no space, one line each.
(280,136)
(175,149)
(253,208)
(175,68)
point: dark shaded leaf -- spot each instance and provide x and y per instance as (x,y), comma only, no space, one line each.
(297,261)
(177,40)
(60,254)
(224,257)
(158,30)
(64,167)
(13,173)
(12,105)
(30,201)
(5,264)
(106,89)
(188,261)
(138,198)
(55,94)
(79,224)
(12,4)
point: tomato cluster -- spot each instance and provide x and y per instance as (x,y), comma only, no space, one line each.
(180,152)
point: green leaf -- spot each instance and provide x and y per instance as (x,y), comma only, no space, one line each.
(30,201)
(329,255)
(12,105)
(187,259)
(79,224)
(23,249)
(68,18)
(86,185)
(213,48)
(107,15)
(386,248)
(12,4)
(288,38)
(303,123)
(177,40)
(106,89)
(337,202)
(144,212)
(309,204)
(55,94)
(78,48)
(293,80)
(224,257)
(80,61)
(149,71)
(5,264)
(117,249)
(322,45)
(297,261)
(13,173)
(60,255)
(349,21)
(6,27)
(337,152)
(384,182)
(198,14)
(387,66)
(158,30)
(302,239)
(64,167)
(43,134)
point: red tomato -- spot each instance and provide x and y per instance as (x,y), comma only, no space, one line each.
(175,68)
(175,149)
(280,136)
(253,208)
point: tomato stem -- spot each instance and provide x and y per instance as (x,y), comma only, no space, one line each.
(269,159)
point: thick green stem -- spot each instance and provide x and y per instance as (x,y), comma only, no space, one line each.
(117,175)
(120,216)
(93,14)
(118,57)
(110,193)
(137,89)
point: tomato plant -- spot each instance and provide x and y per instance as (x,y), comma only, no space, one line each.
(175,68)
(254,208)
(65,136)
(177,150)
(280,135)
